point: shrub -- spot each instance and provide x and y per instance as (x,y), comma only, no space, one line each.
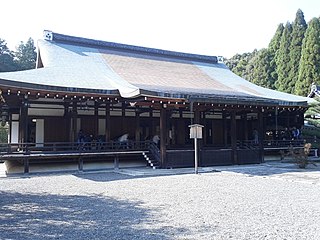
(301,156)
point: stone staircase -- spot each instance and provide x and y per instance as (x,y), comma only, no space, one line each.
(151,161)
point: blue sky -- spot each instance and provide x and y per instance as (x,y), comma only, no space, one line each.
(209,27)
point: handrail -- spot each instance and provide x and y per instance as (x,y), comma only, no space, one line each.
(154,150)
(271,143)
(283,143)
(59,147)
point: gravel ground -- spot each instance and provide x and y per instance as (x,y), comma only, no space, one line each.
(260,202)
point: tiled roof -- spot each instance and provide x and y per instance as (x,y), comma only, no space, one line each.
(79,64)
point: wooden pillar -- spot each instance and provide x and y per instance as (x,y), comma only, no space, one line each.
(10,128)
(261,135)
(276,120)
(152,131)
(74,121)
(287,118)
(137,131)
(234,137)
(23,123)
(244,120)
(163,136)
(191,111)
(116,162)
(80,164)
(170,127)
(96,119)
(205,128)
(197,116)
(108,122)
(123,119)
(67,117)
(225,129)
(26,165)
(213,132)
(181,134)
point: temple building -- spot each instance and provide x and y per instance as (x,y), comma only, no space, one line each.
(106,90)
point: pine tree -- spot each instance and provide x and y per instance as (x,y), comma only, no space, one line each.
(309,71)
(298,30)
(282,60)
(26,55)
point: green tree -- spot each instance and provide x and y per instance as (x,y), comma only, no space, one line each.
(240,64)
(282,60)
(7,63)
(273,49)
(25,55)
(276,39)
(262,73)
(309,71)
(249,72)
(298,30)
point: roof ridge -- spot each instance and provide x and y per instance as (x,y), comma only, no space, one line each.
(52,36)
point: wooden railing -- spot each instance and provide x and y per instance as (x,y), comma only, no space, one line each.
(69,147)
(267,144)
(155,152)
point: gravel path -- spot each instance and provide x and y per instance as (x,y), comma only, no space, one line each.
(238,203)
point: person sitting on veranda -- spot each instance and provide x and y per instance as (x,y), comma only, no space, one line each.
(296,133)
(81,140)
(123,140)
(156,139)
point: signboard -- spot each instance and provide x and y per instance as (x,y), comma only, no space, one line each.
(196,131)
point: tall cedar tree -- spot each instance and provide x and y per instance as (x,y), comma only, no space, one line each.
(299,27)
(7,63)
(282,60)
(309,71)
(26,55)
(273,48)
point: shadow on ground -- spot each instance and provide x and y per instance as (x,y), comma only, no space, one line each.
(47,216)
